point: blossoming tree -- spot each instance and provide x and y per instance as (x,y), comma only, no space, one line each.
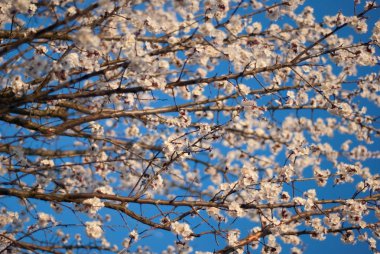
(244,124)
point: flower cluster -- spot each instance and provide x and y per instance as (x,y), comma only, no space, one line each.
(354,212)
(182,229)
(93,229)
(192,118)
(93,205)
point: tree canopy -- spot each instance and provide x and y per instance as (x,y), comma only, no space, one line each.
(217,126)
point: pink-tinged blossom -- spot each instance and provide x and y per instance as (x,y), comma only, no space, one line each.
(345,172)
(333,221)
(359,24)
(249,176)
(348,237)
(321,176)
(319,229)
(355,210)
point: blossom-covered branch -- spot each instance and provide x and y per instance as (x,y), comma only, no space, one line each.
(124,121)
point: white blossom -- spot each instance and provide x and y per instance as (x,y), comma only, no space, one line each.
(194,117)
(87,39)
(44,219)
(93,204)
(233,237)
(235,210)
(182,229)
(93,229)
(105,190)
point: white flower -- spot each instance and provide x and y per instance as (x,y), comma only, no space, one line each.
(132,131)
(134,235)
(93,229)
(333,221)
(372,243)
(7,218)
(215,213)
(291,98)
(346,171)
(37,66)
(249,176)
(23,6)
(257,27)
(71,61)
(359,24)
(204,128)
(206,28)
(197,91)
(233,237)
(158,183)
(299,201)
(235,210)
(346,145)
(296,250)
(96,129)
(249,105)
(19,87)
(348,237)
(86,39)
(310,194)
(44,219)
(182,229)
(243,89)
(286,173)
(126,242)
(105,190)
(321,176)
(71,11)
(355,211)
(270,191)
(47,163)
(376,33)
(95,204)
(164,64)
(316,223)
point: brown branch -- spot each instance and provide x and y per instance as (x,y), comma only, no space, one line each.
(30,37)
(44,152)
(79,197)
(49,248)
